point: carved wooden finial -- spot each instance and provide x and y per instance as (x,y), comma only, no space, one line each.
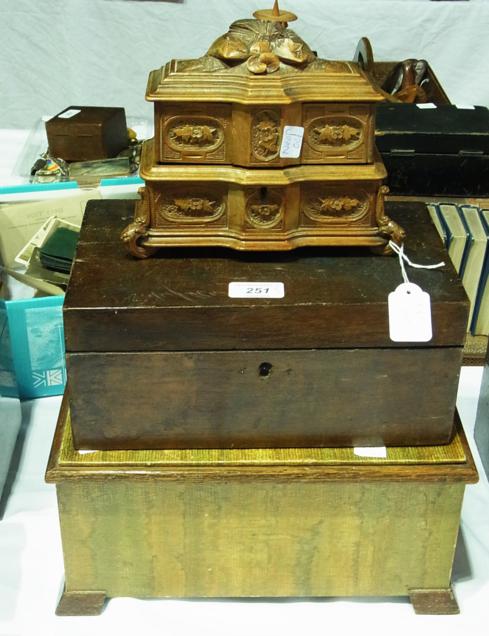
(275,14)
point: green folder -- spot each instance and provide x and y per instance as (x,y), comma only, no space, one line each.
(59,249)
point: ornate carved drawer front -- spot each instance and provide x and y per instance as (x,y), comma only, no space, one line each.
(252,209)
(337,206)
(189,205)
(178,207)
(197,133)
(337,133)
(252,136)
(264,210)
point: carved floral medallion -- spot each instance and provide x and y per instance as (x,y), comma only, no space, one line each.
(333,132)
(264,209)
(198,133)
(195,207)
(265,135)
(327,206)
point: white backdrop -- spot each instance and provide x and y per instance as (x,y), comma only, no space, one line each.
(98,52)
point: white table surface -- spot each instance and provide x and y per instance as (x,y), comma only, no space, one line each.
(31,568)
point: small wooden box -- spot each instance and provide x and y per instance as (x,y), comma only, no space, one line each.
(261,523)
(159,355)
(94,132)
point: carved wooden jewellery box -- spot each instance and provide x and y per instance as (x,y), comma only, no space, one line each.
(228,165)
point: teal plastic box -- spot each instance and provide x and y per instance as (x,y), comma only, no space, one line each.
(34,330)
(8,382)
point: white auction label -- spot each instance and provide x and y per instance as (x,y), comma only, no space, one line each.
(410,314)
(256,290)
(379,452)
(291,142)
(69,113)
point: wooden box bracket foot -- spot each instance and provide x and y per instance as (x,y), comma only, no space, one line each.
(81,603)
(434,601)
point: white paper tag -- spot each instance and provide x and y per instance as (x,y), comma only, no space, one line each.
(428,105)
(465,107)
(256,290)
(371,451)
(291,142)
(410,314)
(71,112)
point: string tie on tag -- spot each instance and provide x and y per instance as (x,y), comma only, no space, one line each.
(399,250)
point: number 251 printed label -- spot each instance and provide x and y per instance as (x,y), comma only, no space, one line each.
(256,290)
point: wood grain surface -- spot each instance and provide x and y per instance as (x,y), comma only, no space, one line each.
(449,463)
(253,399)
(255,538)
(136,524)
(178,300)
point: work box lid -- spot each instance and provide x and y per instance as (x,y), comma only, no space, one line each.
(261,61)
(430,129)
(80,120)
(179,299)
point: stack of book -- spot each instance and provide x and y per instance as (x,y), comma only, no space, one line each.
(464,229)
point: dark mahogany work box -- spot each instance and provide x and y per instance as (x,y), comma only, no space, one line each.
(159,356)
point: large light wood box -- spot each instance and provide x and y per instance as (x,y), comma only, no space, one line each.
(258,523)
(159,356)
